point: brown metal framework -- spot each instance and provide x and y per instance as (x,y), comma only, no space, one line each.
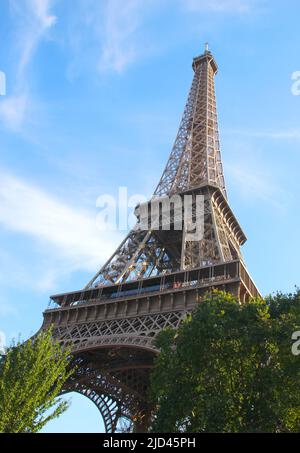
(155,277)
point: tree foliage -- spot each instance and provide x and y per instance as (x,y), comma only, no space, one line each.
(229,368)
(31,377)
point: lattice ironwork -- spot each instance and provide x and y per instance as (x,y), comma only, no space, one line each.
(116,381)
(138,331)
(109,409)
(196,159)
(142,254)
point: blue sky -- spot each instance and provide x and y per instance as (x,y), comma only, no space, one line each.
(95,92)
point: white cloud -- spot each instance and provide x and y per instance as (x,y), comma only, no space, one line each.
(12,111)
(41,9)
(69,237)
(252,181)
(39,20)
(107,33)
(121,22)
(32,21)
(235,6)
(274,135)
(109,30)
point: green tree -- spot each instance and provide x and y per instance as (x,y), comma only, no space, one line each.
(31,377)
(229,368)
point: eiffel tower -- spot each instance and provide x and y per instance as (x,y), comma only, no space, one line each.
(157,275)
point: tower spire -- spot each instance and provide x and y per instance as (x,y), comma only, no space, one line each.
(196,158)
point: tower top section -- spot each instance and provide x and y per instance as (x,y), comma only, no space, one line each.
(205,57)
(195,159)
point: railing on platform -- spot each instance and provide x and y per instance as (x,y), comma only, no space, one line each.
(175,281)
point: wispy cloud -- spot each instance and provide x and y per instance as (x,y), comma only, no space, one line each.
(69,235)
(275,135)
(236,6)
(252,181)
(108,34)
(115,26)
(121,21)
(32,19)
(36,20)
(13,110)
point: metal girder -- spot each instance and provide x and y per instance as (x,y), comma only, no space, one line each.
(116,381)
(109,409)
(140,255)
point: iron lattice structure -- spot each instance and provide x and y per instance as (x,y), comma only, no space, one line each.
(156,276)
